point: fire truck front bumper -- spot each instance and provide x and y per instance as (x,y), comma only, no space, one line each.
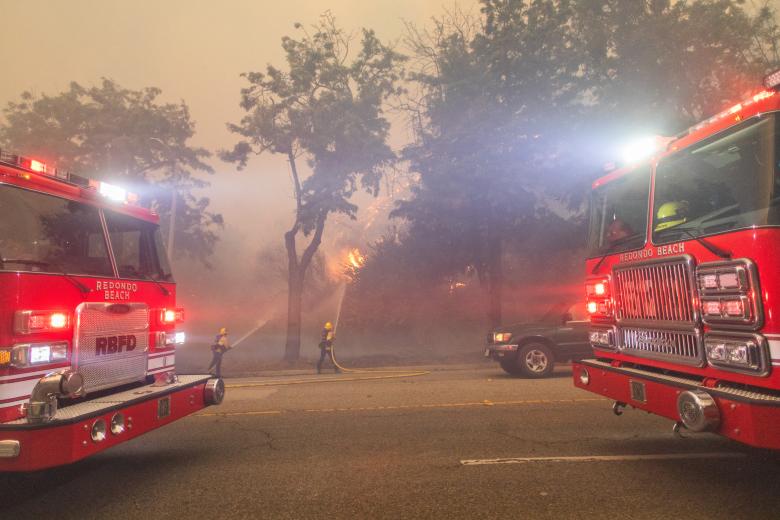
(746,416)
(88,427)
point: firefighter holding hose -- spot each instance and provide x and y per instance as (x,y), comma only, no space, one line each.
(220,346)
(326,348)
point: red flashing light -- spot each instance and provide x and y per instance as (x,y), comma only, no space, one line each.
(598,288)
(58,320)
(28,322)
(170,316)
(593,307)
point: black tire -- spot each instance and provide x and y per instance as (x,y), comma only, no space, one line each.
(535,360)
(509,364)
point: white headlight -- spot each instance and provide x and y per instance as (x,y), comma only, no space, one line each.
(745,353)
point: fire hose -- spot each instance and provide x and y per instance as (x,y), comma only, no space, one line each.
(400,372)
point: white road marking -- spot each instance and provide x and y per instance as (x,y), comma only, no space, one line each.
(603,458)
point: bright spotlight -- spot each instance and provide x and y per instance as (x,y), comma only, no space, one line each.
(640,149)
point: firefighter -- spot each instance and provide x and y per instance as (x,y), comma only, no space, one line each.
(220,346)
(671,214)
(326,348)
(618,230)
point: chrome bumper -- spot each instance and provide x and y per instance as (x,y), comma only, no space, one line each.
(499,350)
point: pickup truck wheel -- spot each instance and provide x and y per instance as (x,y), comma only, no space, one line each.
(510,366)
(535,360)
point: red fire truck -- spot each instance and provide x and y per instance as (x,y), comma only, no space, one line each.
(683,277)
(88,320)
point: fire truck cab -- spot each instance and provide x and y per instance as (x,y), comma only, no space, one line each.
(683,278)
(88,320)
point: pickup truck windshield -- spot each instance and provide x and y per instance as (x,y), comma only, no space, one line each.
(43,233)
(728,182)
(618,214)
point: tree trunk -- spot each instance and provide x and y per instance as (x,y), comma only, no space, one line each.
(495,280)
(292,347)
(296,274)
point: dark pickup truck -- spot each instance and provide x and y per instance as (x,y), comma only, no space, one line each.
(531,349)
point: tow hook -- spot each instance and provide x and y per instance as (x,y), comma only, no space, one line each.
(617,408)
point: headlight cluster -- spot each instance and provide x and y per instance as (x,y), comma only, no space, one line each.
(599,296)
(604,338)
(741,353)
(728,294)
(502,337)
(31,354)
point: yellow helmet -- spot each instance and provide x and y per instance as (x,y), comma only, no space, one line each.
(328,325)
(223,330)
(671,214)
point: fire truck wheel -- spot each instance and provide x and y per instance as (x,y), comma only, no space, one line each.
(535,360)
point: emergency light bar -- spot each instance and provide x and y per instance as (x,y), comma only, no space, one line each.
(735,110)
(113,192)
(110,191)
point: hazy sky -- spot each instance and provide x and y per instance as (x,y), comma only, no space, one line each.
(194,50)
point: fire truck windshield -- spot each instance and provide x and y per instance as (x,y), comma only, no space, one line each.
(44,233)
(49,234)
(725,183)
(137,247)
(618,214)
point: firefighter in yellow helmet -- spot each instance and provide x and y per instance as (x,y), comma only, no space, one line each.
(220,346)
(671,214)
(326,348)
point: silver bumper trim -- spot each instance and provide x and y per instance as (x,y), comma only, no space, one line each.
(725,392)
(502,348)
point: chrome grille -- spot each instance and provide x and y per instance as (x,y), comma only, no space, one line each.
(683,347)
(105,370)
(655,293)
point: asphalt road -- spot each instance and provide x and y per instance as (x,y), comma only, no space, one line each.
(408,446)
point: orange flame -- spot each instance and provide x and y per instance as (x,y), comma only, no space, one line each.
(355,258)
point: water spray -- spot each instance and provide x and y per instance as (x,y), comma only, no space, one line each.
(341,305)
(245,336)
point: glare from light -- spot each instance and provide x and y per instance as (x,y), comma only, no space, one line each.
(640,149)
(112,192)
(58,320)
(37,166)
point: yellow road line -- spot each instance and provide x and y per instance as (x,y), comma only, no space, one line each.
(315,380)
(226,414)
(411,407)
(604,458)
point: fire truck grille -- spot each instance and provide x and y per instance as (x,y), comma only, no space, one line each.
(111,343)
(681,347)
(655,294)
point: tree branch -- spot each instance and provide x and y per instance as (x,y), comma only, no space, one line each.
(316,240)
